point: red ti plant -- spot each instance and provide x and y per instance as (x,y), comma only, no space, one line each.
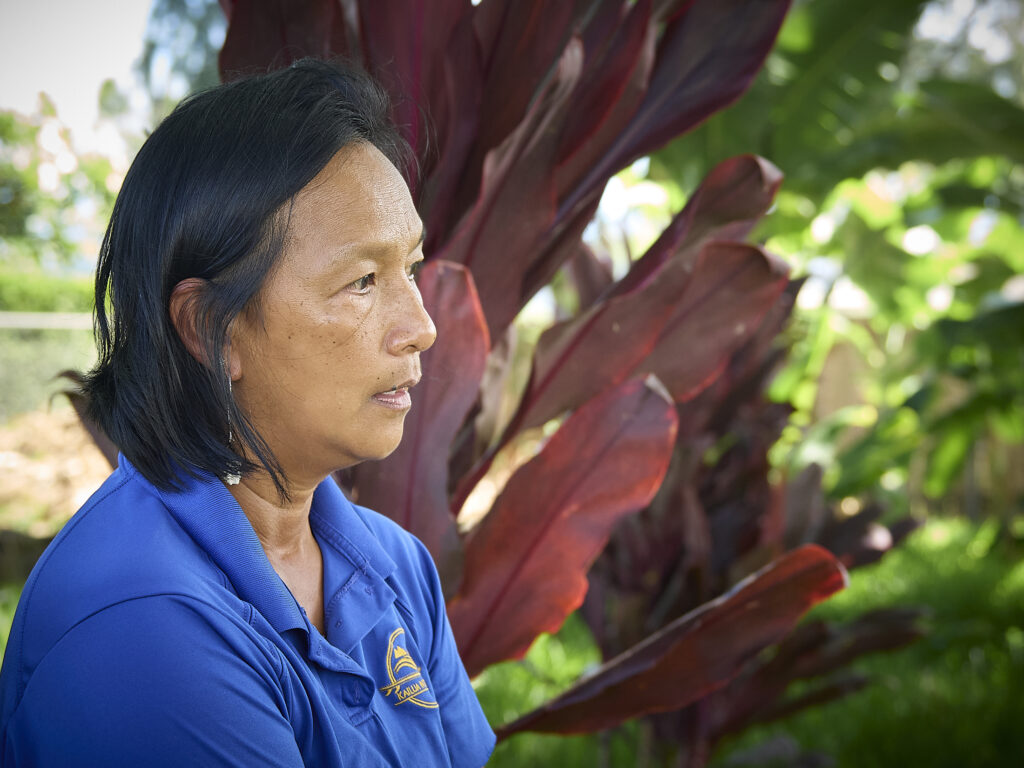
(714,520)
(520,111)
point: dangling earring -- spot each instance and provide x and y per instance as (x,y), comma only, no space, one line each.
(231,478)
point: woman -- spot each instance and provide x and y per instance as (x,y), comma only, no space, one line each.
(219,601)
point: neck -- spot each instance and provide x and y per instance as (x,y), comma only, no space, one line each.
(282,525)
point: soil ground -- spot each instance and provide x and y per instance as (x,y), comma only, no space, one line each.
(49,466)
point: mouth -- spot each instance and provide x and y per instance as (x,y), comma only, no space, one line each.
(397,397)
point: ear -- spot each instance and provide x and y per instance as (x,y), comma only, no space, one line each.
(182,309)
(233,361)
(184,300)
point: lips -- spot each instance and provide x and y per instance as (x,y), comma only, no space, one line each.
(396,398)
(406,385)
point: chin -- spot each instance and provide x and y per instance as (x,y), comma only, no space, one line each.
(381,448)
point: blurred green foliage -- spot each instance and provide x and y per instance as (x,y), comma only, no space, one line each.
(51,199)
(38,291)
(950,699)
(9,596)
(902,141)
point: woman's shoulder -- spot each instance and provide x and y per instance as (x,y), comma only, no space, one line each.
(121,546)
(122,542)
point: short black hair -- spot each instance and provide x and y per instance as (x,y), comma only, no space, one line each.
(208,197)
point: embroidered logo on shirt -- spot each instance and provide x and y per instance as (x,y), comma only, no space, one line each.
(407,683)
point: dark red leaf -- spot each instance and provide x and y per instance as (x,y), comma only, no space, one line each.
(617,72)
(578,358)
(494,390)
(590,275)
(706,57)
(267,34)
(411,485)
(739,284)
(697,653)
(520,41)
(557,246)
(401,44)
(653,329)
(503,232)
(457,115)
(730,199)
(526,563)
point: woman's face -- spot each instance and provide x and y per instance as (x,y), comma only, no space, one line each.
(341,322)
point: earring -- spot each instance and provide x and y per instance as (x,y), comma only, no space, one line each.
(231,478)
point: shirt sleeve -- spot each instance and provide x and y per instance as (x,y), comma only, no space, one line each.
(470,738)
(156,681)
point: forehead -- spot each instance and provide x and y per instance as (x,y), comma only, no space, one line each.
(358,199)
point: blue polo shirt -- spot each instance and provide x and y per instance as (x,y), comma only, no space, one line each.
(154,631)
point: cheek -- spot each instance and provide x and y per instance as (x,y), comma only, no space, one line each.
(319,337)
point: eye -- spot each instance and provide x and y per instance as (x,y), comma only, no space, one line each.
(363,284)
(414,269)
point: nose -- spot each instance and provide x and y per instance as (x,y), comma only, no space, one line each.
(412,329)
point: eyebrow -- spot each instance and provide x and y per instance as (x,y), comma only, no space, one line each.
(343,257)
(375,249)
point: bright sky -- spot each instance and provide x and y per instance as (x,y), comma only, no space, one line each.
(67,48)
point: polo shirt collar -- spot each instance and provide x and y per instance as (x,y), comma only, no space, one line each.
(357,594)
(210,515)
(332,514)
(208,512)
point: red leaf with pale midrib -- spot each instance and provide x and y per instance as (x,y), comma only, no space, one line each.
(697,653)
(520,42)
(700,337)
(683,326)
(605,101)
(526,563)
(578,358)
(457,121)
